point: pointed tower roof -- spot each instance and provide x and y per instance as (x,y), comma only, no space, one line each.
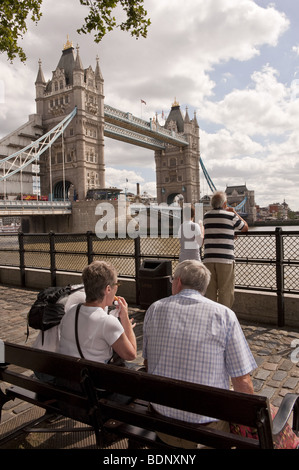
(78,63)
(67,62)
(195,120)
(98,72)
(40,79)
(187,119)
(176,115)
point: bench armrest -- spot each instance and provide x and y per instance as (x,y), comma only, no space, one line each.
(289,403)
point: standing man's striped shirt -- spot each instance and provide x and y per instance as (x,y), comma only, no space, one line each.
(219,226)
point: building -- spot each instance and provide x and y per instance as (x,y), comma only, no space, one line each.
(75,162)
(243,200)
(177,169)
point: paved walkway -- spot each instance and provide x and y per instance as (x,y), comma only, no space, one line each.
(276,350)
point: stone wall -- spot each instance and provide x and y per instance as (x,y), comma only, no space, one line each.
(252,307)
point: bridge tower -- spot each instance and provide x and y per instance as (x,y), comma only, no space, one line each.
(75,162)
(177,168)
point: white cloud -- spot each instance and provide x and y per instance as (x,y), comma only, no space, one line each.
(295,49)
(225,144)
(263,108)
(248,132)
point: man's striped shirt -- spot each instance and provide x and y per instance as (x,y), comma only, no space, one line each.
(219,228)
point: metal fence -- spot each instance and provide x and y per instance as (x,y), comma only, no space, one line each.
(265,261)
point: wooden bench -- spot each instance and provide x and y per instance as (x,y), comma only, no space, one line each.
(110,419)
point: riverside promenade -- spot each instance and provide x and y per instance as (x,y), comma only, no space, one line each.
(276,351)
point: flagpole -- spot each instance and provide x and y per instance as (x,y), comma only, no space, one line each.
(141,103)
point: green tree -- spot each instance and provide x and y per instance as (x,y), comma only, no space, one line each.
(14,16)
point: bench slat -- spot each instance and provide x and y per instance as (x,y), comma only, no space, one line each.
(139,416)
(133,420)
(42,389)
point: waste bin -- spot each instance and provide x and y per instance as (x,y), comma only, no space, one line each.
(154,281)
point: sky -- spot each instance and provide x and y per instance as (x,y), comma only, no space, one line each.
(233,62)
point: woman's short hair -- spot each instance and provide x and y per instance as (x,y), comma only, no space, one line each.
(188,211)
(218,199)
(96,277)
(193,275)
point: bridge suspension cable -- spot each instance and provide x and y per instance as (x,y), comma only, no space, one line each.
(240,206)
(212,187)
(18,161)
(207,176)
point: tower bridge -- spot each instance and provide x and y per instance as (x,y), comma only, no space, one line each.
(61,148)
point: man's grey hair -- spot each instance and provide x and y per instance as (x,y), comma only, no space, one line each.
(218,199)
(96,277)
(193,275)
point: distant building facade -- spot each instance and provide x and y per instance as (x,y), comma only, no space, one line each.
(177,169)
(244,198)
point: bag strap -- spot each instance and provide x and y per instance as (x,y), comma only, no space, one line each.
(76,330)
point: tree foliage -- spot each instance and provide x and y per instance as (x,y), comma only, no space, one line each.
(14,16)
(13,24)
(101,19)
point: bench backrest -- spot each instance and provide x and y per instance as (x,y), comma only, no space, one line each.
(249,410)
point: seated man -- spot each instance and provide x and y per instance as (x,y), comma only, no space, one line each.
(189,337)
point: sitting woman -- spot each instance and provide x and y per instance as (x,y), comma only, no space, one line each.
(99,333)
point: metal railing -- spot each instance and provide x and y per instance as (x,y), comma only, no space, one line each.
(265,261)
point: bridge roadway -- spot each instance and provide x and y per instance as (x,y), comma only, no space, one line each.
(124,126)
(275,350)
(15,208)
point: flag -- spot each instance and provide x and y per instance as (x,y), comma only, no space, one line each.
(142,101)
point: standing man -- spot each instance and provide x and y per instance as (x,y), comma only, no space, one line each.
(220,225)
(188,337)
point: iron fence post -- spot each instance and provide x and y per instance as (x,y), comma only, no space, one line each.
(89,247)
(52,259)
(22,259)
(137,257)
(279,276)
